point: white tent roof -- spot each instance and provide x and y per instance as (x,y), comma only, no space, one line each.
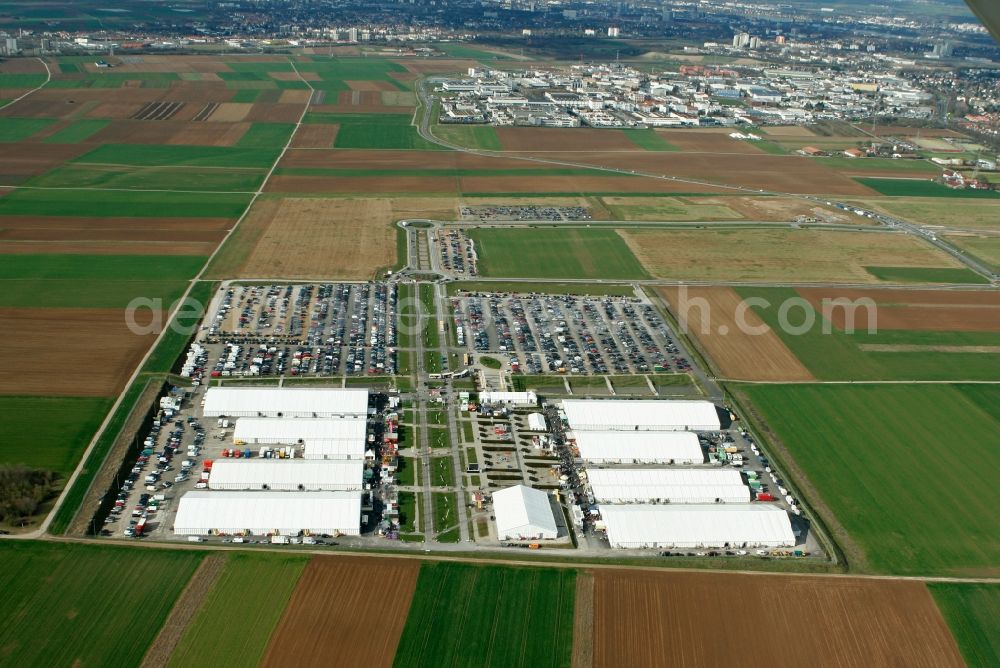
(517,398)
(641,446)
(339,448)
(641,414)
(675,485)
(708,525)
(523,511)
(289,401)
(286,474)
(291,430)
(201,512)
(536,422)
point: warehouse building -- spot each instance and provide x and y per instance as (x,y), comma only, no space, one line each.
(293,431)
(288,475)
(668,486)
(641,415)
(285,402)
(639,447)
(523,513)
(264,513)
(697,526)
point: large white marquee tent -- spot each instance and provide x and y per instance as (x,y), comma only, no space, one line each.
(287,474)
(668,486)
(285,402)
(640,415)
(292,431)
(262,513)
(639,447)
(694,526)
(523,513)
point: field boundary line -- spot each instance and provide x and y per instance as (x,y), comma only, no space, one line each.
(48,78)
(133,190)
(43,528)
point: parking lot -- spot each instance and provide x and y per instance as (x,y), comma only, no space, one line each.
(487,214)
(568,334)
(302,330)
(456,252)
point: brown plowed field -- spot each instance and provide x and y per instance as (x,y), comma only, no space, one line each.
(109,228)
(564,139)
(902,131)
(21,161)
(574,184)
(369,85)
(314,136)
(788,131)
(138,132)
(792,174)
(68,351)
(931,310)
(109,247)
(701,141)
(277,113)
(209,134)
(740,353)
(292,76)
(362,184)
(294,96)
(375,159)
(231,112)
(715,619)
(345,611)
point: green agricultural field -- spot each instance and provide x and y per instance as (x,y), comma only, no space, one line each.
(246,95)
(150,178)
(922,188)
(12,80)
(472,136)
(250,595)
(16,129)
(111,203)
(926,275)
(838,355)
(555,253)
(383,131)
(107,267)
(82,605)
(181,329)
(89,293)
(622,290)
(908,479)
(79,131)
(464,615)
(266,135)
(527,171)
(48,432)
(973,613)
(985,249)
(458,50)
(666,209)
(845,164)
(649,140)
(964,214)
(157,155)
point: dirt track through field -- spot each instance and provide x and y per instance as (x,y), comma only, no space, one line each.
(583,621)
(715,619)
(184,610)
(711,316)
(345,611)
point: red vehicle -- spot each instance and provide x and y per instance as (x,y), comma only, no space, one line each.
(765,497)
(140,528)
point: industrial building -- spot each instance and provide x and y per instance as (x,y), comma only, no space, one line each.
(523,513)
(293,431)
(336,475)
(668,486)
(522,399)
(285,402)
(697,526)
(641,415)
(639,447)
(265,513)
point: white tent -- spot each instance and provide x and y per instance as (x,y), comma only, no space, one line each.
(291,431)
(639,447)
(285,402)
(333,448)
(640,415)
(668,486)
(695,526)
(536,422)
(523,513)
(262,513)
(512,398)
(287,474)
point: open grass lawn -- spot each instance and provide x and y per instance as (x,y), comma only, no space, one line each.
(923,188)
(666,209)
(926,275)
(973,613)
(555,253)
(649,139)
(458,50)
(965,214)
(16,129)
(908,471)
(266,135)
(150,178)
(526,287)
(846,165)
(445,516)
(985,249)
(79,131)
(385,131)
(48,432)
(838,355)
(407,512)
(438,437)
(160,155)
(471,136)
(250,595)
(465,615)
(442,472)
(112,203)
(406,471)
(81,605)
